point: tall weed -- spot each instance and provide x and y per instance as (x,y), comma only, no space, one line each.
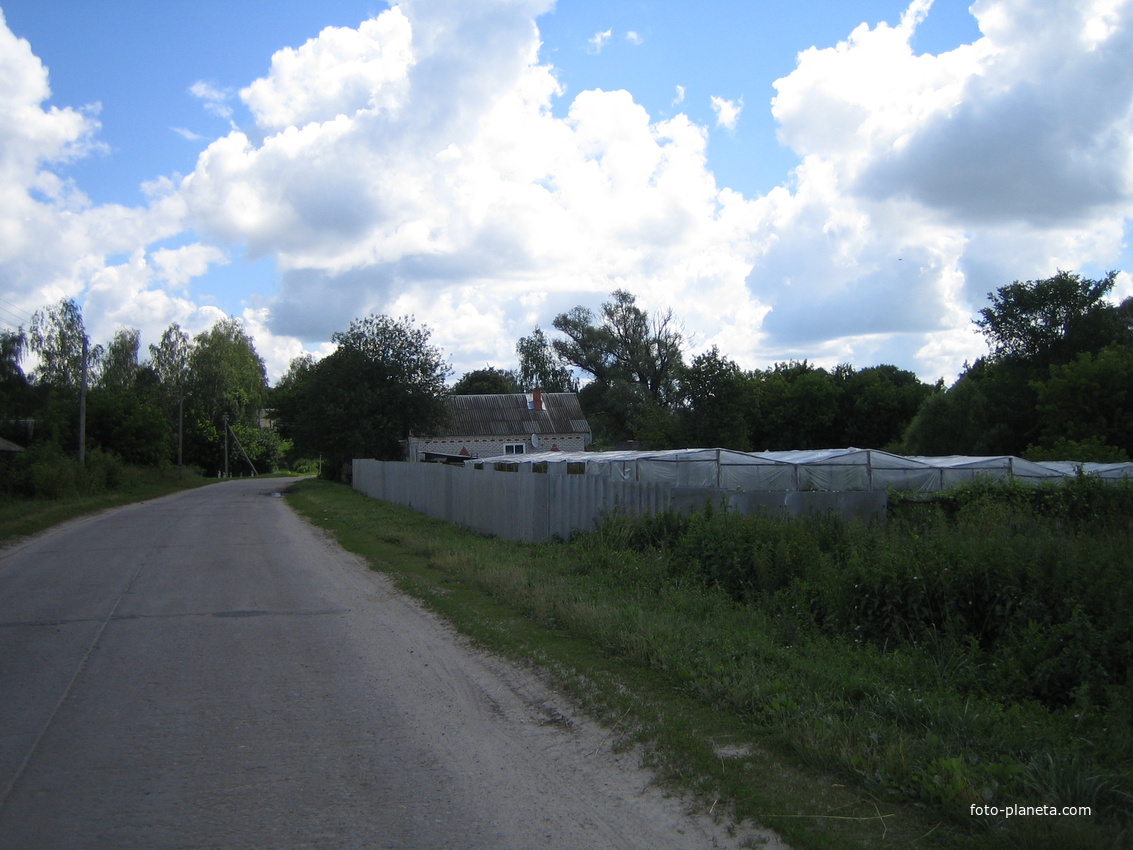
(941,658)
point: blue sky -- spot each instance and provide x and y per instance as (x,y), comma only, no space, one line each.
(837,181)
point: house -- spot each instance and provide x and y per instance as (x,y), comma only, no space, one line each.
(514,423)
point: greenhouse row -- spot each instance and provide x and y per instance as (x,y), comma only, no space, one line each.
(836,470)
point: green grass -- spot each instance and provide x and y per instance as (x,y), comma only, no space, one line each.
(20,517)
(758,714)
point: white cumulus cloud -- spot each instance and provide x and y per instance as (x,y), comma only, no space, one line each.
(928,181)
(727,111)
(421,163)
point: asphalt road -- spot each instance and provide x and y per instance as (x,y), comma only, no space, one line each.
(207,670)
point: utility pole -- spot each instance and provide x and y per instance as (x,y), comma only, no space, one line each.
(226,445)
(180,419)
(83,405)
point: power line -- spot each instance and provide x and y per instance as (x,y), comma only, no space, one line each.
(10,319)
(16,310)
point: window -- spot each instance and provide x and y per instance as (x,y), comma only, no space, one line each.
(513,449)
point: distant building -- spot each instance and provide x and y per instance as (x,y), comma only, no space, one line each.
(515,423)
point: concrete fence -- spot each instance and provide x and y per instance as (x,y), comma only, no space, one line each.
(522,504)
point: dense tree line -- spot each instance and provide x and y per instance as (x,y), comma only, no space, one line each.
(1057,382)
(174,405)
(641,390)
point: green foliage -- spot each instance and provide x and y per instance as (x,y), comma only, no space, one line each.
(540,366)
(12,345)
(120,361)
(990,410)
(1088,450)
(45,471)
(16,393)
(877,404)
(42,471)
(169,360)
(1058,371)
(489,381)
(1032,584)
(634,359)
(996,603)
(798,408)
(720,402)
(226,375)
(263,446)
(1089,399)
(58,337)
(384,381)
(1050,321)
(129,424)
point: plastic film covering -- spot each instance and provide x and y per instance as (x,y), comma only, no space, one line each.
(826,470)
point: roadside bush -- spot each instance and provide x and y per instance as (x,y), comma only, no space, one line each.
(1016,591)
(42,471)
(938,658)
(46,471)
(102,471)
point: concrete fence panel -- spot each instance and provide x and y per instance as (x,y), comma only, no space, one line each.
(532,507)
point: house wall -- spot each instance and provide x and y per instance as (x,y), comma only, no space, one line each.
(490,447)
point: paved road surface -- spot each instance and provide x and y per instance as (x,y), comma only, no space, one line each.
(206,670)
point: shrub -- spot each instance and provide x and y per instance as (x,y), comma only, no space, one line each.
(43,471)
(1016,590)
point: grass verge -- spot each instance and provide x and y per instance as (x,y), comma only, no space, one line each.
(639,653)
(20,517)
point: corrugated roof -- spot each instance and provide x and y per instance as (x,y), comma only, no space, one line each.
(504,415)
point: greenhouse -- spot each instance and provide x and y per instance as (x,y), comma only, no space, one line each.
(831,470)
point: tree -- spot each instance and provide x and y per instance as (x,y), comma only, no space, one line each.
(15,391)
(1051,321)
(384,381)
(798,408)
(226,375)
(540,366)
(12,344)
(170,360)
(628,345)
(226,382)
(58,337)
(488,381)
(1031,326)
(634,359)
(120,362)
(971,417)
(128,424)
(878,403)
(1089,401)
(719,402)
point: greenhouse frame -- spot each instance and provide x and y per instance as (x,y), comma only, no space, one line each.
(829,470)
